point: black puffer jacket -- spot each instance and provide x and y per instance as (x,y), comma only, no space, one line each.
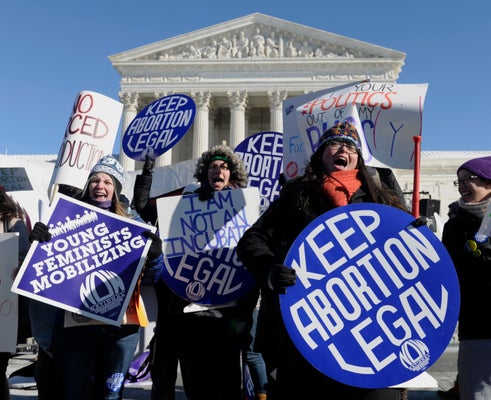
(474,272)
(269,239)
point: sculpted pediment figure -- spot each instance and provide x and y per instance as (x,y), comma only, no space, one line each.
(256,36)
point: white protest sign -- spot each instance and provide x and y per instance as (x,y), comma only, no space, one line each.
(386,115)
(199,244)
(90,134)
(9,310)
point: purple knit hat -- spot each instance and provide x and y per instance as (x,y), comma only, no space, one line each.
(480,166)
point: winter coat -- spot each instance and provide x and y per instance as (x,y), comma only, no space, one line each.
(474,273)
(262,246)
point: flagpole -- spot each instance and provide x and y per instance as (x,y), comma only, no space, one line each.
(417,157)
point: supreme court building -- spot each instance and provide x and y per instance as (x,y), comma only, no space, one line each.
(238,74)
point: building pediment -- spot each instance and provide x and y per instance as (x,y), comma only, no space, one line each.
(255,37)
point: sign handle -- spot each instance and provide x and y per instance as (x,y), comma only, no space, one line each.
(417,159)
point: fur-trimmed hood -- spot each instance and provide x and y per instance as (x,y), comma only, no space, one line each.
(238,172)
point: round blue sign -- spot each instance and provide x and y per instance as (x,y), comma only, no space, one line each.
(376,300)
(159,126)
(210,277)
(262,154)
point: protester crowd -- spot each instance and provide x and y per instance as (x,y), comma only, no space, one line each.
(214,345)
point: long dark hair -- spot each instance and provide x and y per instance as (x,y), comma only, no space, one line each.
(9,208)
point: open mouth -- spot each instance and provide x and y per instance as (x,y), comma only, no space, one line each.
(100,196)
(465,195)
(341,162)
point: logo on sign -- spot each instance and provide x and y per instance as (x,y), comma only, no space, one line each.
(102,291)
(376,300)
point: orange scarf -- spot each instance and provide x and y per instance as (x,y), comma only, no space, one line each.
(339,186)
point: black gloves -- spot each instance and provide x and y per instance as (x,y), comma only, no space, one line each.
(281,277)
(141,192)
(143,184)
(148,166)
(40,233)
(419,222)
(156,247)
(152,270)
(205,192)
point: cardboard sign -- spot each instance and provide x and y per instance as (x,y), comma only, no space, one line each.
(9,310)
(262,154)
(14,179)
(376,301)
(199,244)
(91,264)
(387,117)
(159,126)
(90,134)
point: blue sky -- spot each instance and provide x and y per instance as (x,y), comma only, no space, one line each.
(52,50)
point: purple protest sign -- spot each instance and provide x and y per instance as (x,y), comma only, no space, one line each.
(376,300)
(199,240)
(159,126)
(262,154)
(91,264)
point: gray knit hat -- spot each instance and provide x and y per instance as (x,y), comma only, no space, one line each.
(109,165)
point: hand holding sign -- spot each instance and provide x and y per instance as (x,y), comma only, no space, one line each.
(155,249)
(88,262)
(282,277)
(148,166)
(40,232)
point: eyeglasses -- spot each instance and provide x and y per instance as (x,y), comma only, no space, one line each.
(336,145)
(216,167)
(465,180)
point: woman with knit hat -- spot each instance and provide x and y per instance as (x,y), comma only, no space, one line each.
(471,256)
(335,176)
(92,358)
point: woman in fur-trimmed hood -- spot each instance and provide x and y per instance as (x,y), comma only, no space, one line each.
(217,169)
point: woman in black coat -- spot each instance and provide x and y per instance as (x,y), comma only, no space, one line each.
(471,256)
(335,176)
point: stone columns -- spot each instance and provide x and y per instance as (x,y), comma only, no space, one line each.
(130,104)
(237,101)
(201,123)
(275,101)
(212,112)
